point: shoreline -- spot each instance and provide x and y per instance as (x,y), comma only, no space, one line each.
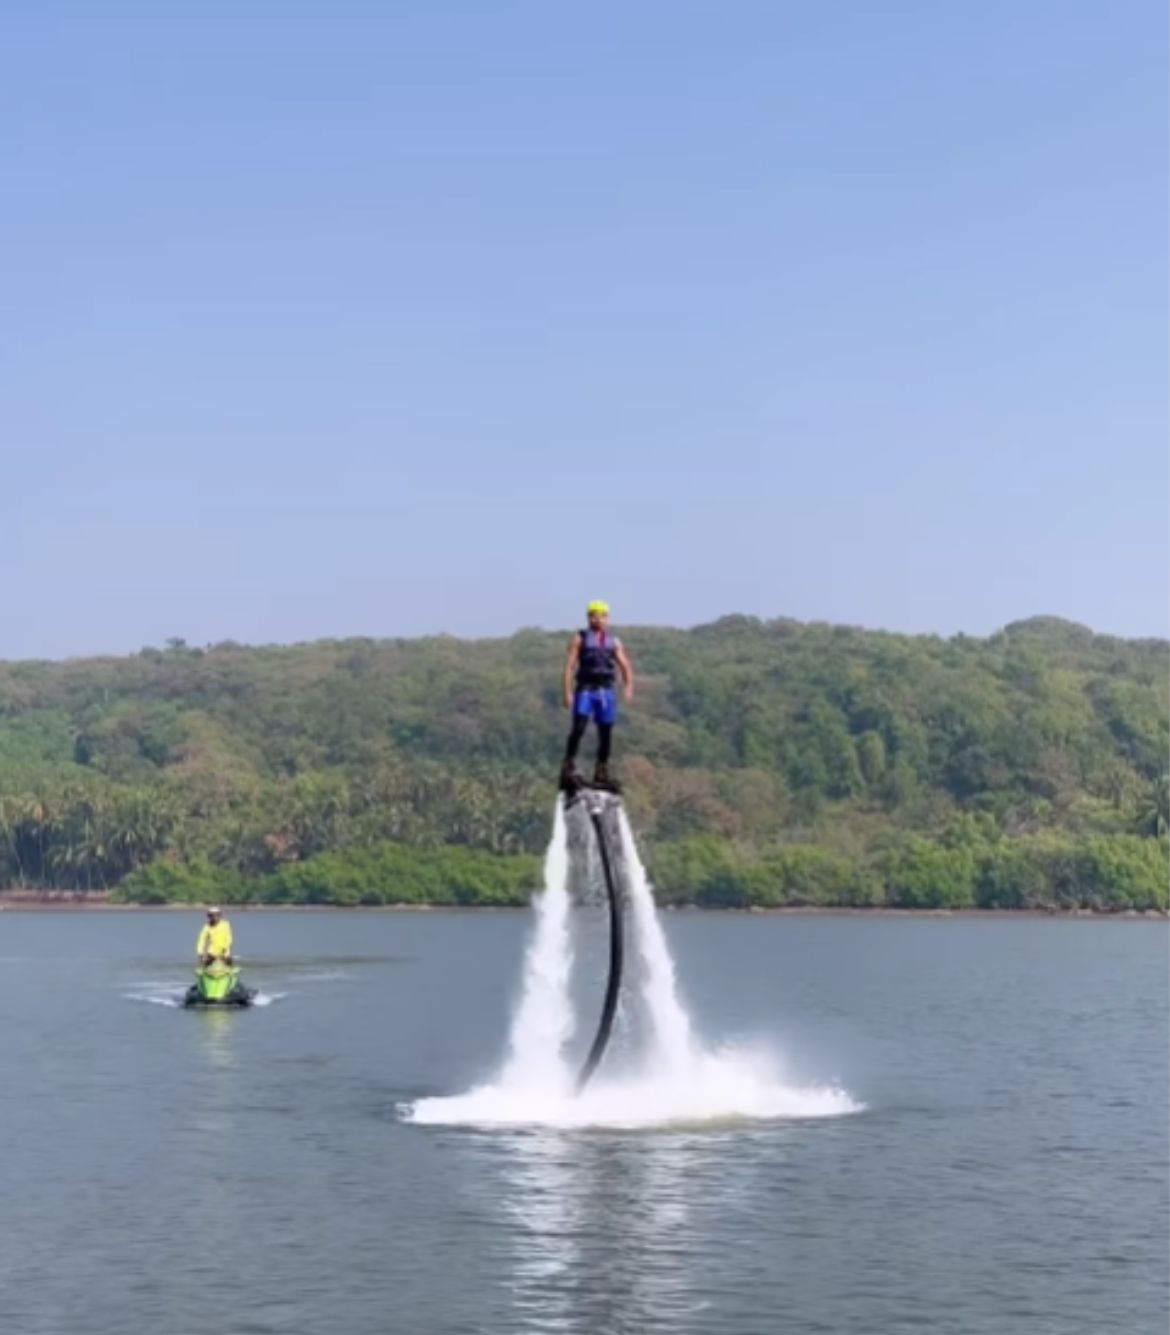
(54,904)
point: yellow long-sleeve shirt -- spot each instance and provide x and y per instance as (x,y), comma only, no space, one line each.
(214,939)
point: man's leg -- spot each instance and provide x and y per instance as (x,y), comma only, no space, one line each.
(576,732)
(570,780)
(604,715)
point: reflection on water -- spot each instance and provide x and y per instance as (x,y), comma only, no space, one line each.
(600,1230)
(544,1231)
(217,1037)
(214,1119)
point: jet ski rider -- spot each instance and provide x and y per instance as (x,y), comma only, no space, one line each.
(215,940)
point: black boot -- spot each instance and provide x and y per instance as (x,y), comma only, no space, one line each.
(570,780)
(601,778)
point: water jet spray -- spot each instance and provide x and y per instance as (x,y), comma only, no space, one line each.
(595,802)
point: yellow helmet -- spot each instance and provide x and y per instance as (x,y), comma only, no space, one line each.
(602,609)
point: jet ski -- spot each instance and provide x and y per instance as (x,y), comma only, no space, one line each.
(217,985)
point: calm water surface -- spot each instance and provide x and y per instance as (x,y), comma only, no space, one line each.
(249,1174)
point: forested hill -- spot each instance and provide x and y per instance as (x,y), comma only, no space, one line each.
(765,762)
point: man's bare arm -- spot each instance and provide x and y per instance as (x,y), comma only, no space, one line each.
(571,656)
(626,671)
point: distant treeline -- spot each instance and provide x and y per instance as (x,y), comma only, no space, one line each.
(766,763)
(1051,872)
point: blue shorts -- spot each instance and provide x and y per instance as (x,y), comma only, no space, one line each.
(598,704)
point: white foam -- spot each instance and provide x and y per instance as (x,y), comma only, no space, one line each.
(154,998)
(676,1081)
(716,1087)
(672,1043)
(544,1021)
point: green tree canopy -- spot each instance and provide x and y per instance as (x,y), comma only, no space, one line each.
(766,762)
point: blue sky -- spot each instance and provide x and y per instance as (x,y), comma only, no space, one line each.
(355,318)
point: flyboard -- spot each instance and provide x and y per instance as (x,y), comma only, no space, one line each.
(597,802)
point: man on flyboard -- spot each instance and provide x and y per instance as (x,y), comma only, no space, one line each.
(594,661)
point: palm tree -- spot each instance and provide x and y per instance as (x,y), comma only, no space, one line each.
(11,864)
(1154,809)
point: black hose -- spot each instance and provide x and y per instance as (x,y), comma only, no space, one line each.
(616,953)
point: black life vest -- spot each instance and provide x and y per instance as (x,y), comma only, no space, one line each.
(597,660)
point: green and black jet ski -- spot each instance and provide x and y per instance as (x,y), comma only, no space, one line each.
(217,985)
